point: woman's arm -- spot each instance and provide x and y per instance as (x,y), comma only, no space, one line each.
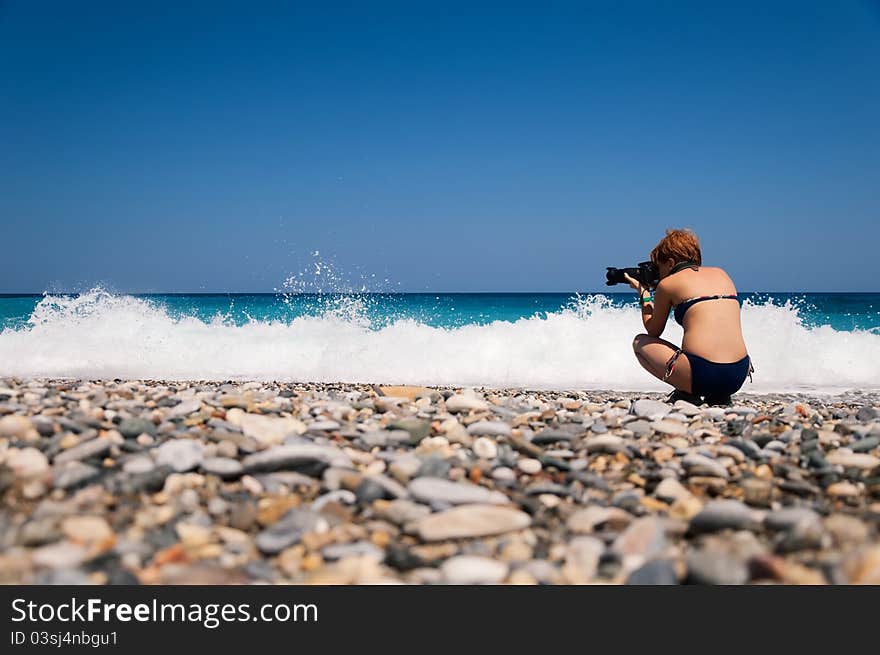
(656,314)
(655,307)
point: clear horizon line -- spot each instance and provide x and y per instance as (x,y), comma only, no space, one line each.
(385,293)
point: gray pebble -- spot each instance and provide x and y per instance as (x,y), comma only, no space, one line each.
(709,568)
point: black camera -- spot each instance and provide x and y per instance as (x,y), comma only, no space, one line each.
(645,272)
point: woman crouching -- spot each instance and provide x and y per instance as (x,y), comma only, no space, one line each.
(712,362)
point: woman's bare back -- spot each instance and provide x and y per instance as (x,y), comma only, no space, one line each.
(712,328)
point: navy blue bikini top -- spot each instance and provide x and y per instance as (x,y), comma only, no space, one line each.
(682,307)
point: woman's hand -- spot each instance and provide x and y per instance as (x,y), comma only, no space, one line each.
(634,283)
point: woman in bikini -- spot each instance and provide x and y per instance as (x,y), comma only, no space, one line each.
(713,362)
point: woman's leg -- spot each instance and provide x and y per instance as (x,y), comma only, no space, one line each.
(654,352)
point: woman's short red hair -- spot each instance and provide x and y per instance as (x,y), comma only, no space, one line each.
(678,245)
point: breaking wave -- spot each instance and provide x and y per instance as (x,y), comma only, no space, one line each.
(585,344)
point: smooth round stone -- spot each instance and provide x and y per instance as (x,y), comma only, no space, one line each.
(382,438)
(582,555)
(84,529)
(599,427)
(865,445)
(670,490)
(180,454)
(15,427)
(561,453)
(504,474)
(729,451)
(847,529)
(639,428)
(234,401)
(700,465)
(643,539)
(665,426)
(468,521)
(289,530)
(217,506)
(39,531)
(529,465)
(225,449)
(405,466)
(722,514)
(389,487)
(646,408)
(417,428)
(863,566)
(757,492)
(489,429)
(748,447)
(705,567)
(61,555)
(401,511)
(470,569)
(543,571)
(853,460)
(843,490)
(437,490)
(43,425)
(679,443)
(655,572)
(193,535)
(465,403)
(866,413)
(72,474)
(224,467)
(138,464)
(485,448)
(27,462)
(86,450)
(269,430)
(433,467)
(185,408)
(686,408)
(788,518)
(713,413)
(587,519)
(549,500)
(133,427)
(152,480)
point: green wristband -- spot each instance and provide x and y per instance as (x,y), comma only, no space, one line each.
(644,300)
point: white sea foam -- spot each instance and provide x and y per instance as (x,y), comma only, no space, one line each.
(586,345)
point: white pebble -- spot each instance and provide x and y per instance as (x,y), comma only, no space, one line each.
(251,485)
(485,448)
(503,473)
(529,465)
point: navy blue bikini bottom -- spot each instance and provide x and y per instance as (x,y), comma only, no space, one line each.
(715,380)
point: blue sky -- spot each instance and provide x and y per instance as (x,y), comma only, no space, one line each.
(446,146)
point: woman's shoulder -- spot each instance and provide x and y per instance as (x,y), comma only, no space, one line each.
(716,271)
(681,287)
(717,277)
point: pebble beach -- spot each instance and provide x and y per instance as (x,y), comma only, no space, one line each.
(147,482)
